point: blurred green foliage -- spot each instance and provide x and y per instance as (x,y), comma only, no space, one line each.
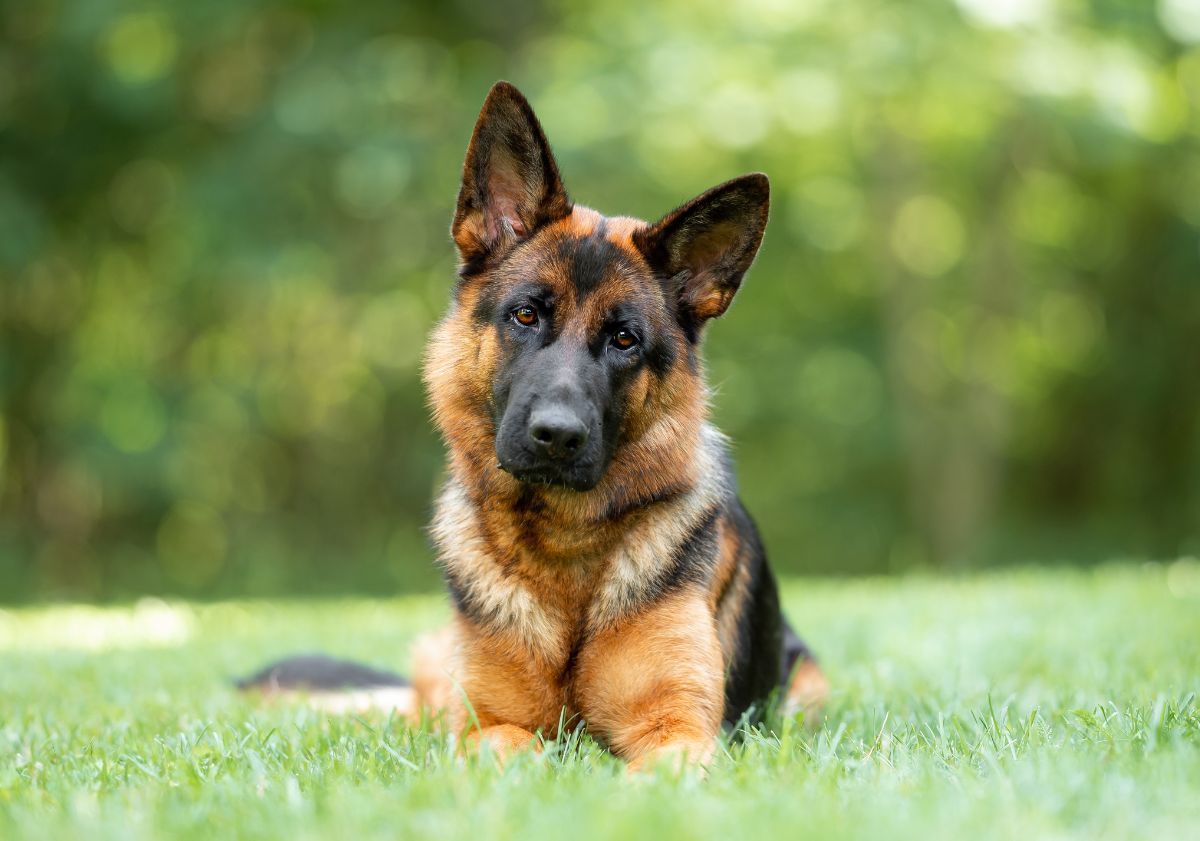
(972,335)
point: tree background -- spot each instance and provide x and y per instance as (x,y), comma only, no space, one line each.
(972,336)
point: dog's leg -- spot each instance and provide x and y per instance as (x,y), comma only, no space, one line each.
(653,687)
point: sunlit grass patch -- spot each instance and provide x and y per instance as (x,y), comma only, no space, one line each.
(148,624)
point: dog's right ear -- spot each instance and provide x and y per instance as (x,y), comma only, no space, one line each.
(510,183)
(702,249)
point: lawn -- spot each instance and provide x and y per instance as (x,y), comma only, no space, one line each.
(1025,704)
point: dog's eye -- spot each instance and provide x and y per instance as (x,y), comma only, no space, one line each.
(525,316)
(624,340)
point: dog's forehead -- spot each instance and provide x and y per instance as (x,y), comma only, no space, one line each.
(584,222)
(588,262)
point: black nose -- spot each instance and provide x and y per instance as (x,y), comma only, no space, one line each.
(557,432)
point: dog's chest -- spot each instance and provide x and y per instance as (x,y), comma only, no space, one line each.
(530,619)
(550,613)
(547,607)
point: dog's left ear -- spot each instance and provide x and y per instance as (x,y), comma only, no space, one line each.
(703,248)
(510,183)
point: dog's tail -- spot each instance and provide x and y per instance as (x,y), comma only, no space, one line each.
(334,685)
(346,687)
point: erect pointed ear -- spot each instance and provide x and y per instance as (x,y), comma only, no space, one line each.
(510,183)
(703,248)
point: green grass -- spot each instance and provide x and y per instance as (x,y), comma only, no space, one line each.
(1027,704)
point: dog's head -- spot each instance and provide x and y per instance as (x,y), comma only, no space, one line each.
(573,335)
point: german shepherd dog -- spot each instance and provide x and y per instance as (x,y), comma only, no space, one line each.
(601,567)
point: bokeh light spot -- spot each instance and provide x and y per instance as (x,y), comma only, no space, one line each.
(774,15)
(369,179)
(736,115)
(928,236)
(1071,325)
(1181,19)
(133,417)
(1005,14)
(841,386)
(229,86)
(392,330)
(830,212)
(577,116)
(808,100)
(1047,209)
(1123,88)
(1183,578)
(140,47)
(311,102)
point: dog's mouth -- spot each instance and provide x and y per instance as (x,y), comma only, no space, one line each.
(574,478)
